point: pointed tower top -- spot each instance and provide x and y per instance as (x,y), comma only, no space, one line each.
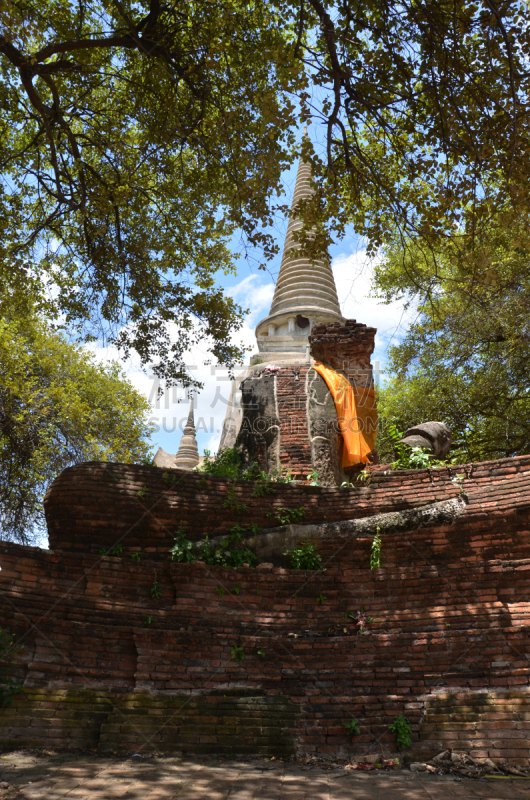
(189,428)
(305,290)
(188,453)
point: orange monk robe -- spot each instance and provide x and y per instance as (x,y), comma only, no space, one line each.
(357,415)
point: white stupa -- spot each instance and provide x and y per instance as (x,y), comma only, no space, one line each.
(305,290)
(305,294)
(187,456)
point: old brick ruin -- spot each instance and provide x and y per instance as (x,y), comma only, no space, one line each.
(109,663)
(289,419)
(125,649)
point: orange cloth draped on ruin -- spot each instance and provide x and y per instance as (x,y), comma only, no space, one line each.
(357,415)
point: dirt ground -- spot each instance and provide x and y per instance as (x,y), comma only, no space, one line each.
(34,775)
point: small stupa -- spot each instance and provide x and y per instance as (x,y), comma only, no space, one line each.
(187,456)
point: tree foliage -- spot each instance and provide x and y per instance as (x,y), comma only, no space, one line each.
(57,408)
(426,108)
(466,359)
(136,137)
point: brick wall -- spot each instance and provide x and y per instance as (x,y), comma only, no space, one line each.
(448,645)
(95,505)
(346,348)
(295,448)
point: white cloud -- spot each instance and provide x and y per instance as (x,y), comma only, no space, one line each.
(170,411)
(353,277)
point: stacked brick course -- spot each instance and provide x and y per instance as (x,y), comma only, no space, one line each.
(107,664)
(95,505)
(294,444)
(346,348)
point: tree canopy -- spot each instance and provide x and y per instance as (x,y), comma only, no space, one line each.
(57,408)
(137,137)
(466,358)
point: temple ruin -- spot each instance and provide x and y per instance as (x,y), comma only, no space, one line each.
(125,649)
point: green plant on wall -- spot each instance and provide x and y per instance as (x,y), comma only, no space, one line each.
(304,556)
(117,550)
(156,589)
(362,620)
(8,653)
(231,502)
(237,653)
(226,464)
(352,728)
(264,487)
(312,478)
(410,457)
(288,516)
(228,552)
(402,729)
(169,479)
(183,550)
(375,551)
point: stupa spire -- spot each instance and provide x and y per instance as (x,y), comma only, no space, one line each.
(187,455)
(305,290)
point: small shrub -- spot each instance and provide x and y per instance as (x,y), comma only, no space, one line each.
(135,556)
(283,475)
(141,493)
(411,457)
(254,473)
(263,488)
(226,464)
(304,556)
(321,598)
(183,550)
(117,550)
(402,729)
